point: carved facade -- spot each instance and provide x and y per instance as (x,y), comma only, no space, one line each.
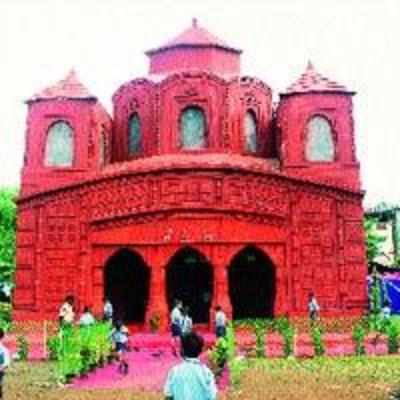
(236,181)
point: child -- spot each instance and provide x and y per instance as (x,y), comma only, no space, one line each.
(220,322)
(66,314)
(107,311)
(176,326)
(119,336)
(4,361)
(313,307)
(190,379)
(187,323)
(87,318)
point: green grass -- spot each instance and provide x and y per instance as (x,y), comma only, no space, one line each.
(346,378)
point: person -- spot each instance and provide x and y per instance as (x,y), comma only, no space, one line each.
(220,322)
(66,314)
(176,325)
(313,307)
(4,361)
(386,311)
(190,379)
(187,323)
(87,318)
(108,310)
(119,337)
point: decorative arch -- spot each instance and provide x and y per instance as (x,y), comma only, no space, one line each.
(127,284)
(193,128)
(320,143)
(189,278)
(59,151)
(252,284)
(135,139)
(250,131)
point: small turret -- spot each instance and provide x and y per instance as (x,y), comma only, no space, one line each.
(67,133)
(315,121)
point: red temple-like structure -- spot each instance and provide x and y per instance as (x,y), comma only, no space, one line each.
(199,188)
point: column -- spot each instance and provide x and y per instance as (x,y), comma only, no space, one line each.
(157,305)
(221,291)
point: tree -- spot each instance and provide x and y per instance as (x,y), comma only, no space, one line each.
(8,222)
(373,239)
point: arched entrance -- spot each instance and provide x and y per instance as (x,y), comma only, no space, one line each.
(252,284)
(190,279)
(126,285)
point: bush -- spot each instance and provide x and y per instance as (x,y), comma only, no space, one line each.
(358,338)
(218,356)
(260,331)
(392,332)
(288,332)
(22,348)
(317,339)
(54,348)
(77,350)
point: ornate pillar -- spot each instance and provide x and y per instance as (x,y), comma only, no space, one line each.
(221,291)
(157,305)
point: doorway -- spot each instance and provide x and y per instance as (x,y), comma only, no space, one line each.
(190,279)
(126,285)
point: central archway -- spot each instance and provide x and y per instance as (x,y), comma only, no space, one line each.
(190,279)
(126,285)
(252,284)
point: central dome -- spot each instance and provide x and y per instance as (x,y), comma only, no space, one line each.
(195,49)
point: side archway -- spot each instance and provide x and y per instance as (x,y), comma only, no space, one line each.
(190,279)
(126,285)
(252,284)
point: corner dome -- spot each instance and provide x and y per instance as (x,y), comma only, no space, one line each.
(312,81)
(68,88)
(195,49)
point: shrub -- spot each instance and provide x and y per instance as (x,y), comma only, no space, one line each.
(260,331)
(54,348)
(77,350)
(218,356)
(288,332)
(392,332)
(317,339)
(358,338)
(22,348)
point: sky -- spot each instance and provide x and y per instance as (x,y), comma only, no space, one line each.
(355,42)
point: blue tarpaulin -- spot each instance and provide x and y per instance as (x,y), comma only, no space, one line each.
(390,290)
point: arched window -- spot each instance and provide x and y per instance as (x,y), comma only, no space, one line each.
(59,145)
(319,141)
(102,149)
(193,128)
(135,136)
(250,131)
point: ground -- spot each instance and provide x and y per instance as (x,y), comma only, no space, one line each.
(339,378)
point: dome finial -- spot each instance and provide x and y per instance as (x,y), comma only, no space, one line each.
(310,65)
(194,22)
